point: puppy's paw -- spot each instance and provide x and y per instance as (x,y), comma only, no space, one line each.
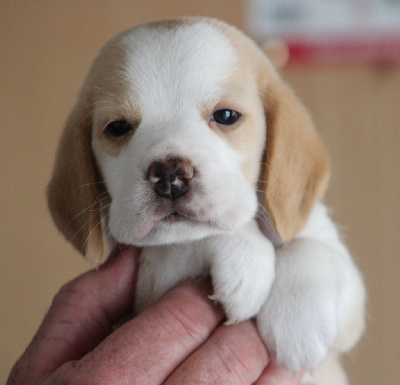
(298,331)
(242,274)
(239,298)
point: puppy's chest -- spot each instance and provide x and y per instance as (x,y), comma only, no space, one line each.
(162,267)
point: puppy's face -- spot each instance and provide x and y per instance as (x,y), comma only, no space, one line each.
(166,142)
(178,134)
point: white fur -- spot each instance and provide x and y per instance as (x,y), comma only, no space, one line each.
(314,308)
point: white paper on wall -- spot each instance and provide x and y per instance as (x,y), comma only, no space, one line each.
(329,31)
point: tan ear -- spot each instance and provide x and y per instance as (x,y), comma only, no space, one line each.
(74,191)
(297,165)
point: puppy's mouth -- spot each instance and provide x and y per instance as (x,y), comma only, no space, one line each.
(174,217)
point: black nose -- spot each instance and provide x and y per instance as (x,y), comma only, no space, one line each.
(170,178)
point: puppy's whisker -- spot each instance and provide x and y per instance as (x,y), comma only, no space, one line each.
(107,231)
(118,224)
(90,184)
(79,214)
(103,197)
(264,217)
(90,209)
(80,229)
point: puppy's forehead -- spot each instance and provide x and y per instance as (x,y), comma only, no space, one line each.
(187,60)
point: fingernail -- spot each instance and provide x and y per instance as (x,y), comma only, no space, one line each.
(121,249)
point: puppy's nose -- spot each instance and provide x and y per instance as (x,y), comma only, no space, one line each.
(171,178)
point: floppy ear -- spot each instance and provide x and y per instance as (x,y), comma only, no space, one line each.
(296,169)
(74,190)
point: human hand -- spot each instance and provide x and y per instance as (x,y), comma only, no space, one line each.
(178,340)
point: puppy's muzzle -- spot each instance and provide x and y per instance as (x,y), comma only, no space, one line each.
(171,178)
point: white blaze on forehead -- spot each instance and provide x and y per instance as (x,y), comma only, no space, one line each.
(170,67)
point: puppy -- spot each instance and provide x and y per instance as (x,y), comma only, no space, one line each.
(186,142)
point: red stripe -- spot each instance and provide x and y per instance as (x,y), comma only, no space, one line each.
(383,50)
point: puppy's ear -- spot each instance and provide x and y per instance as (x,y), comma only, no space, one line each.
(296,170)
(75,190)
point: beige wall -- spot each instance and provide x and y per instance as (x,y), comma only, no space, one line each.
(45,50)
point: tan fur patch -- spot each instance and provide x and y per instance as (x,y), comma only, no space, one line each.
(297,164)
(75,190)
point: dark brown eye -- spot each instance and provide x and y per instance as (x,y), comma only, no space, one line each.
(118,128)
(225,117)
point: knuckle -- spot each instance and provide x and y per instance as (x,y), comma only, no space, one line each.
(184,322)
(242,354)
(189,312)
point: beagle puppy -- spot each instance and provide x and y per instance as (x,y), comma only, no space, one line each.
(186,142)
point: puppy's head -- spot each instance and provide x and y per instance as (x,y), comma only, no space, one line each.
(176,125)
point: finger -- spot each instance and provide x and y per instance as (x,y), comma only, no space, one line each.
(233,355)
(274,374)
(81,315)
(148,348)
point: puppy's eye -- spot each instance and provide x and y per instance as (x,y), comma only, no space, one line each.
(118,128)
(226,117)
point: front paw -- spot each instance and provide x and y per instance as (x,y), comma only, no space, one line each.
(298,331)
(240,300)
(242,276)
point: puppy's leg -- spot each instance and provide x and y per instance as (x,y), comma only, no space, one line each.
(242,270)
(316,304)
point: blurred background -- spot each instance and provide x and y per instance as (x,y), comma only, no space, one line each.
(341,57)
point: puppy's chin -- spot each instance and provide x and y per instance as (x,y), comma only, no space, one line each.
(170,232)
(166,233)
